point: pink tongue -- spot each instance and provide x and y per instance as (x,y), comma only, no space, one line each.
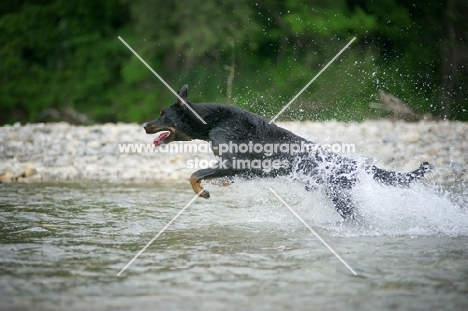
(160,136)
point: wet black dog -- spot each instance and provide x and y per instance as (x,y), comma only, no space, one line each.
(249,147)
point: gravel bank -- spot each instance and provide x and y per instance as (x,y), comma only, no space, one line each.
(59,152)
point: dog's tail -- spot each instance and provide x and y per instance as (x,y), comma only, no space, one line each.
(400,179)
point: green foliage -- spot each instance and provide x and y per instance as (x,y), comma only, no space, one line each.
(65,54)
(58,54)
(327,19)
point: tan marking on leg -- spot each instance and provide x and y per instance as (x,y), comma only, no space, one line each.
(195,182)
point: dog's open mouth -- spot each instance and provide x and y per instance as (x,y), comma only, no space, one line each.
(160,137)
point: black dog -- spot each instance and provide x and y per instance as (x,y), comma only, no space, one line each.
(249,147)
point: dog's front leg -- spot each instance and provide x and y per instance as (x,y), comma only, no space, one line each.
(195,181)
(209,173)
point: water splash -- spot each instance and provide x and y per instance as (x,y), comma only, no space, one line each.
(417,210)
(420,210)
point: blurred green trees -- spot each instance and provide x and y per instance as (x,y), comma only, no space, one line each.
(65,54)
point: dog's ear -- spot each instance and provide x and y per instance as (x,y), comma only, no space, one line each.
(183,93)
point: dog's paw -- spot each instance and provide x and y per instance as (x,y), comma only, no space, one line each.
(205,194)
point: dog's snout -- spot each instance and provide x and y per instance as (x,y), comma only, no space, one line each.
(148,126)
(152,127)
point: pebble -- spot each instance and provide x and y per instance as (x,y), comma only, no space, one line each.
(58,152)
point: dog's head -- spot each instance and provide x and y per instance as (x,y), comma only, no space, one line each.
(174,123)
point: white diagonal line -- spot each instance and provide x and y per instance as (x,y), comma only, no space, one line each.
(160,232)
(313,79)
(162,80)
(312,230)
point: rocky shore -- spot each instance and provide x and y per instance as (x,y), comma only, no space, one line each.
(60,152)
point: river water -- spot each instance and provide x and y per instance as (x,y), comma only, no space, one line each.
(62,246)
